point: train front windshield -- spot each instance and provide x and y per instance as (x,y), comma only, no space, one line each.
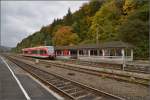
(50,50)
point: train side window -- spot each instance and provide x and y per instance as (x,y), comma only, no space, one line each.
(34,52)
(42,52)
(26,52)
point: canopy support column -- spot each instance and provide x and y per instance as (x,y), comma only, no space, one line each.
(77,53)
(103,53)
(123,58)
(62,53)
(69,52)
(56,53)
(98,52)
(89,53)
(131,54)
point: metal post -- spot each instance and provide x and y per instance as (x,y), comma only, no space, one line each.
(36,61)
(131,54)
(103,53)
(123,58)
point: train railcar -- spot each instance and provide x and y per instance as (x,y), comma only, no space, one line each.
(40,52)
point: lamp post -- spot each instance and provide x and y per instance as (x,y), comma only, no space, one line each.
(97,32)
(97,35)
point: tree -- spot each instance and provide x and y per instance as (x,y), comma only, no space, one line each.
(102,20)
(132,5)
(135,30)
(81,27)
(68,18)
(65,36)
(105,21)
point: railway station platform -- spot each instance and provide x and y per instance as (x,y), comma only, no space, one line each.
(16,84)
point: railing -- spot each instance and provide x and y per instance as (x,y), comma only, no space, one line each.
(106,58)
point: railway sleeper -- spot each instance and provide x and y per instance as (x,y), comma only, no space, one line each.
(79,93)
(91,97)
(84,96)
(56,81)
(66,87)
(73,89)
(49,79)
(63,83)
(53,80)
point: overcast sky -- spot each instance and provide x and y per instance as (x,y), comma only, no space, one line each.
(22,18)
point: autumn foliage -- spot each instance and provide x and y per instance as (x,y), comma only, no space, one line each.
(65,36)
(105,20)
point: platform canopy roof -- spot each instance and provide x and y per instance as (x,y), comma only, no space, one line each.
(66,47)
(112,44)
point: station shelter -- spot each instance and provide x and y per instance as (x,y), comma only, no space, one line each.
(106,51)
(66,52)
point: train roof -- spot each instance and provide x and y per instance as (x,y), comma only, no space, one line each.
(37,47)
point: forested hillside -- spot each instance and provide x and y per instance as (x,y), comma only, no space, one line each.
(106,20)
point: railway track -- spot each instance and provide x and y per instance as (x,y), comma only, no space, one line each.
(71,90)
(109,74)
(129,67)
(116,76)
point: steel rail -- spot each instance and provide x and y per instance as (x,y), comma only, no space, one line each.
(94,72)
(29,68)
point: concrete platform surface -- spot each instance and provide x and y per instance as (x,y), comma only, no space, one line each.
(11,90)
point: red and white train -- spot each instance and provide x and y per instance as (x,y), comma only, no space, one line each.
(40,52)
